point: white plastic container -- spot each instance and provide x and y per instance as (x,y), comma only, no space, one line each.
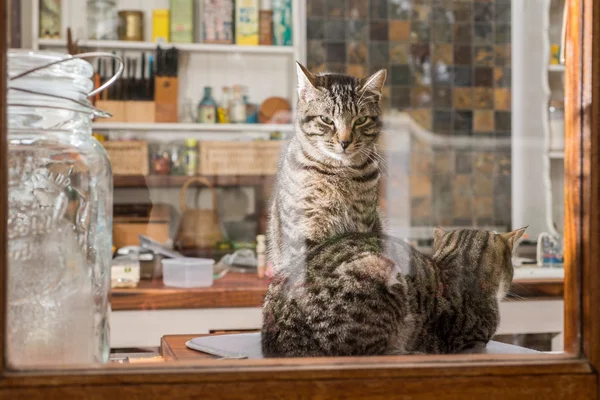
(188,272)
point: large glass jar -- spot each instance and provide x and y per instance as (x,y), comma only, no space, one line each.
(59,218)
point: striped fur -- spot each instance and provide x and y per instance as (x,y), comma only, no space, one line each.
(323,189)
(369,294)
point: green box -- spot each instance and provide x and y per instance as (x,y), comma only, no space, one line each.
(282,22)
(181,21)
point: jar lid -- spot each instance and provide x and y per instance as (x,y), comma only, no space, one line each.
(54,80)
(21,60)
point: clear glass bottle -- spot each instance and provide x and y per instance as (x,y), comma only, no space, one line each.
(223,109)
(238,106)
(186,112)
(207,108)
(102,20)
(177,151)
(59,217)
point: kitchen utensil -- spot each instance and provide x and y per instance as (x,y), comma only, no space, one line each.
(188,272)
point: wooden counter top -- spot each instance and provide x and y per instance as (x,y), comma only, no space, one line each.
(247,290)
(233,290)
(173,348)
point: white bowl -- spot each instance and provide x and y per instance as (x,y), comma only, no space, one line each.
(188,272)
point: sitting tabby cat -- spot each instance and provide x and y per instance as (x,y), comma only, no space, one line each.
(368,294)
(327,183)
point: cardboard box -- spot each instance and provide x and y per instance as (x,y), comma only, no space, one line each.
(160,25)
(140,219)
(217,21)
(282,22)
(246,22)
(182,21)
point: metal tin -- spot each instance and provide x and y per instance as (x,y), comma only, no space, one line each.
(131,25)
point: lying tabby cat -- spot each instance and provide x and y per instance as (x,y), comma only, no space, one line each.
(368,294)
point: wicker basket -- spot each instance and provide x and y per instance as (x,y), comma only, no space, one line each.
(239,158)
(128,157)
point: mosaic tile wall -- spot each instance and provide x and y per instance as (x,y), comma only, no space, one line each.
(448,65)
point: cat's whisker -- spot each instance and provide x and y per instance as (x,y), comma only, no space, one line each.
(512,295)
(373,156)
(382,162)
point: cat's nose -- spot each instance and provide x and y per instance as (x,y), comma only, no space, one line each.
(345,144)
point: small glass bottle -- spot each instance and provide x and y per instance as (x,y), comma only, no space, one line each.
(191,157)
(186,112)
(251,111)
(223,109)
(238,107)
(207,108)
(177,159)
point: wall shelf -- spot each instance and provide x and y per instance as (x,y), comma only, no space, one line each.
(187,47)
(556,68)
(177,127)
(165,181)
(556,154)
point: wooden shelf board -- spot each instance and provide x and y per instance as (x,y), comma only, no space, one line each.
(247,290)
(139,181)
(178,127)
(188,47)
(233,290)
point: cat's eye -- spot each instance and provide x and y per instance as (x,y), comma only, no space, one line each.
(327,120)
(361,121)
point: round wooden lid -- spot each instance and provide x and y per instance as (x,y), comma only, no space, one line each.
(275,110)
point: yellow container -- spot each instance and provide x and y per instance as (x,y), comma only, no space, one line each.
(554,54)
(246,22)
(160,25)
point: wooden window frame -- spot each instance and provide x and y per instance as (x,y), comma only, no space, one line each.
(571,376)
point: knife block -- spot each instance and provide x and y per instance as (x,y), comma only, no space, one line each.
(140,111)
(166,94)
(115,108)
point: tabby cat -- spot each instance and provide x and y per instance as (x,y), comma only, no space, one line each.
(369,294)
(328,176)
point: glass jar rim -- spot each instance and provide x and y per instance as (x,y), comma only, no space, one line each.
(21,60)
(29,71)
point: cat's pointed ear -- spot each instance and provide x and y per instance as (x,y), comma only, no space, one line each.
(438,234)
(513,237)
(306,83)
(374,83)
